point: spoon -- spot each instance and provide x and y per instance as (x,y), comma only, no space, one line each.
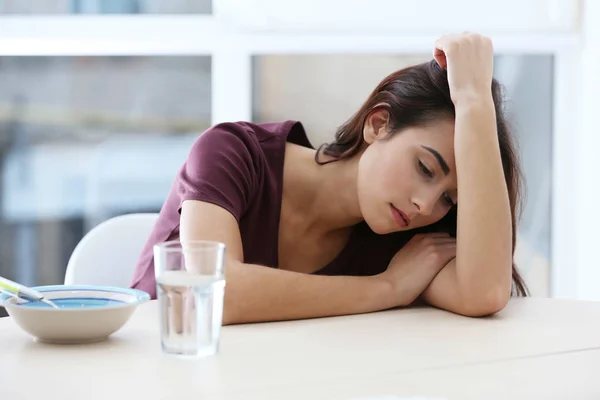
(23,292)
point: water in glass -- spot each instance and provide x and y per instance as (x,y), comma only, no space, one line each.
(191,309)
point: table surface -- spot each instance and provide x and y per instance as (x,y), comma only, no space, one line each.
(534,348)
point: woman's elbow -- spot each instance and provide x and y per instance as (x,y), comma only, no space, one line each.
(488,303)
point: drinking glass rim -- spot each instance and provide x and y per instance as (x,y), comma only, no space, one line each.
(173,246)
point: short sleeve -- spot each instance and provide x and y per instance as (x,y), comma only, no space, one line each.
(221,168)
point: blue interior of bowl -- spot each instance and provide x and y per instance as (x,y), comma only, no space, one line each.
(75,302)
(83,296)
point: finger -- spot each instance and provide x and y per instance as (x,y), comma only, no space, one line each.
(436,234)
(448,240)
(427,237)
(441,47)
(446,246)
(443,236)
(440,57)
(433,238)
(447,252)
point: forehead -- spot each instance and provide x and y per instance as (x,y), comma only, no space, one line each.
(438,135)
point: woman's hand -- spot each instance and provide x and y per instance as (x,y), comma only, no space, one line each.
(469,59)
(413,268)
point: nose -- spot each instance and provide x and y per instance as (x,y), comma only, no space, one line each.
(425,203)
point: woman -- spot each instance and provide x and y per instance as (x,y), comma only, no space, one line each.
(370,221)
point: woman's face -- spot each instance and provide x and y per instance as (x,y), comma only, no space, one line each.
(408,180)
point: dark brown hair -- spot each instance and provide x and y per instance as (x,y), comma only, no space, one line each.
(415,96)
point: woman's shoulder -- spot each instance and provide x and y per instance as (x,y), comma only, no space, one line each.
(249,140)
(257,132)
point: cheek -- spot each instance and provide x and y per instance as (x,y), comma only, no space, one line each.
(398,178)
(387,175)
(373,196)
(366,170)
(371,183)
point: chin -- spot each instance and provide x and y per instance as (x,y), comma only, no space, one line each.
(377,219)
(380,227)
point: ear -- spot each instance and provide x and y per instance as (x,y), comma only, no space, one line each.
(375,125)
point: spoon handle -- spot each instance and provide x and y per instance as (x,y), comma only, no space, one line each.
(20,290)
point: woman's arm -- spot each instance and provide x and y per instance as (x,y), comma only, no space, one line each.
(256,293)
(478,282)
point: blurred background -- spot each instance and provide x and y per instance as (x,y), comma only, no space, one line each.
(100,101)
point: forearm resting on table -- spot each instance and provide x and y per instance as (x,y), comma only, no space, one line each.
(478,281)
(256,293)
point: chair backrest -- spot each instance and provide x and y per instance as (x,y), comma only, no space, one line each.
(107,254)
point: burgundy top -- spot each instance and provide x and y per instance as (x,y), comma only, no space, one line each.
(239,166)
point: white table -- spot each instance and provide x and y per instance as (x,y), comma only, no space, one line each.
(535,348)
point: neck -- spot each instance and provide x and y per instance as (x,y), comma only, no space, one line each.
(325,195)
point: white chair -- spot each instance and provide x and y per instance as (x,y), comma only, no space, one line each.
(107,254)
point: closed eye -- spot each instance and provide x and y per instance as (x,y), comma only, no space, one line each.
(425,170)
(448,200)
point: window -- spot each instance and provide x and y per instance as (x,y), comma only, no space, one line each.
(87,138)
(39,7)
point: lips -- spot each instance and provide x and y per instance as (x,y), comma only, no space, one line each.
(400,217)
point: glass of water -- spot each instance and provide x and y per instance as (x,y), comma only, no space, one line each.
(190,284)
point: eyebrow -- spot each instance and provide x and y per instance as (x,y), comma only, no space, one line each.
(440,159)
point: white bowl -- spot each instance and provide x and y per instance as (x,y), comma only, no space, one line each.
(86,314)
